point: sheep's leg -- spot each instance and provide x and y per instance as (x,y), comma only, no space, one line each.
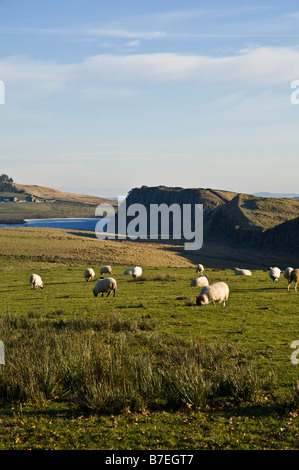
(214,303)
(102,295)
(289,285)
(296,286)
(108,293)
(224,303)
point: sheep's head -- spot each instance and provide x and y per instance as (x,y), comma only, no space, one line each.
(94,293)
(200,300)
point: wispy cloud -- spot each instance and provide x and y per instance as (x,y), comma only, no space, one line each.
(259,67)
(96,32)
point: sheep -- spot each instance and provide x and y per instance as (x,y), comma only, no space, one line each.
(217,292)
(200,268)
(294,277)
(200,281)
(242,272)
(106,270)
(89,274)
(274,274)
(36,281)
(287,273)
(105,285)
(128,271)
(135,272)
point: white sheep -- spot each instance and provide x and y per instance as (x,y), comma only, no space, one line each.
(274,274)
(242,272)
(36,281)
(89,274)
(217,292)
(135,272)
(106,270)
(200,281)
(294,277)
(200,268)
(287,273)
(105,285)
(128,271)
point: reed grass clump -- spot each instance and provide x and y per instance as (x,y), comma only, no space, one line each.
(110,364)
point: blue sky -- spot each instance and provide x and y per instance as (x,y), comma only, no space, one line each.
(104,96)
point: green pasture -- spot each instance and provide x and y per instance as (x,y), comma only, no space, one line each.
(259,323)
(260,315)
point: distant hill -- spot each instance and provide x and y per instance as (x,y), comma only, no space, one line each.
(246,215)
(50,193)
(210,198)
(279,195)
(45,203)
(238,228)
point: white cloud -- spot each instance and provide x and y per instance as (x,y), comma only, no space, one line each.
(258,66)
(134,43)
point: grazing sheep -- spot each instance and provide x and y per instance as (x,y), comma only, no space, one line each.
(105,285)
(200,281)
(128,271)
(294,277)
(274,274)
(36,281)
(200,268)
(89,274)
(287,273)
(136,272)
(217,292)
(106,270)
(242,272)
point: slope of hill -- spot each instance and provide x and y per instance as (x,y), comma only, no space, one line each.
(47,203)
(284,236)
(50,193)
(238,228)
(246,216)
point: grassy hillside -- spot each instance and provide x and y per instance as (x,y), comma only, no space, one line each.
(51,193)
(147,369)
(54,245)
(63,204)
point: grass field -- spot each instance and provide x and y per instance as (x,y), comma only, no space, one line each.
(146,369)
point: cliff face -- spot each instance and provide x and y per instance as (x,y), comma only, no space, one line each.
(284,236)
(168,195)
(238,220)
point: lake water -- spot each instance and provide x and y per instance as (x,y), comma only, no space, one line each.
(70,224)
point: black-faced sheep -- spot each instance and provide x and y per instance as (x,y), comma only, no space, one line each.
(89,274)
(135,272)
(36,281)
(287,273)
(105,285)
(106,270)
(294,277)
(200,281)
(274,274)
(200,268)
(217,292)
